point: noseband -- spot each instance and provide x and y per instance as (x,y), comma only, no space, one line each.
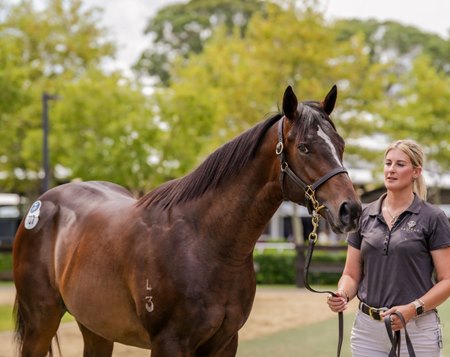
(310,190)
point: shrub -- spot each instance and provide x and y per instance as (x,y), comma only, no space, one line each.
(274,267)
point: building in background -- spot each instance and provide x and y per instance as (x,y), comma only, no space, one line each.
(10,217)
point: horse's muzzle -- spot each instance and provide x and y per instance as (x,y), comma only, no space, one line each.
(349,214)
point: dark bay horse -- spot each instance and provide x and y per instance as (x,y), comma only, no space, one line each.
(173,271)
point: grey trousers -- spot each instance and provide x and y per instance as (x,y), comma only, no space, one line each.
(370,339)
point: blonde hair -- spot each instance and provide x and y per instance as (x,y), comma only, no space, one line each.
(416,154)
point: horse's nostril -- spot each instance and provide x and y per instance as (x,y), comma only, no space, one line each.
(349,213)
(344,213)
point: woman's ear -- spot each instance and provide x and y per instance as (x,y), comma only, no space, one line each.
(417,171)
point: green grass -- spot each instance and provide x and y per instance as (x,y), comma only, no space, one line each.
(319,339)
(6,319)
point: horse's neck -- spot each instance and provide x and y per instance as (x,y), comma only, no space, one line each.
(239,211)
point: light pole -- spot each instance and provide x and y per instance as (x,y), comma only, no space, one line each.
(45,128)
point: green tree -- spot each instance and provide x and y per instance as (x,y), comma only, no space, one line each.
(393,40)
(103,130)
(179,30)
(420,111)
(235,81)
(99,116)
(239,73)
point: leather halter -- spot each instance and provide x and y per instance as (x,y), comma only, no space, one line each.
(310,200)
(313,207)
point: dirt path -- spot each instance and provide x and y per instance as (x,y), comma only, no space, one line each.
(274,310)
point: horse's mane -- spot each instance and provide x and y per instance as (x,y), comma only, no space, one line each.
(227,161)
(221,166)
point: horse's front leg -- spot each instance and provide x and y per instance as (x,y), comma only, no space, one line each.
(219,349)
(230,349)
(171,346)
(168,344)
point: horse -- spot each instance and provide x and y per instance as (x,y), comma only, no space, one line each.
(172,271)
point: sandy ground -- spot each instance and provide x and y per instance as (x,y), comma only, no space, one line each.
(273,310)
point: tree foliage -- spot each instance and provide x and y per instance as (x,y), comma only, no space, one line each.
(98,117)
(420,110)
(224,67)
(232,83)
(237,80)
(181,29)
(389,40)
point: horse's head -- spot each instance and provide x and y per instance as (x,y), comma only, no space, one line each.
(311,154)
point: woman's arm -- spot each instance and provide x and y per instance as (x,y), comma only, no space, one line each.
(349,281)
(441,290)
(433,297)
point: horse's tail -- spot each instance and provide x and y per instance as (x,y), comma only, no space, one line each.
(19,329)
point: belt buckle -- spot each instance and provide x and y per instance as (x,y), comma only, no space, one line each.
(372,313)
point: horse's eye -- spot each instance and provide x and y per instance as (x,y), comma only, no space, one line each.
(303,148)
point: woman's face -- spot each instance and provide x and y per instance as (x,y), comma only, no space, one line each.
(399,173)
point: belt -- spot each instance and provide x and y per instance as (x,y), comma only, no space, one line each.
(374,313)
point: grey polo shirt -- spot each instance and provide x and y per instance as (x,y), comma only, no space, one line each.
(397,264)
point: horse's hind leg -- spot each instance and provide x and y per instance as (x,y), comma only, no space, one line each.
(39,306)
(95,345)
(37,324)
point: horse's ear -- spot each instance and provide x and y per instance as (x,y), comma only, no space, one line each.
(290,103)
(330,100)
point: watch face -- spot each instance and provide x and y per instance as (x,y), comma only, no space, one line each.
(419,310)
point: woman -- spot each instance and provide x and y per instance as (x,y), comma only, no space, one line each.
(399,260)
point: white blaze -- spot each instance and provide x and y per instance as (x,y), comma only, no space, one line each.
(328,141)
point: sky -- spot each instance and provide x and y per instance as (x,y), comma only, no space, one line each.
(126,19)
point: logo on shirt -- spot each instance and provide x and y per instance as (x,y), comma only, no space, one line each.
(410,227)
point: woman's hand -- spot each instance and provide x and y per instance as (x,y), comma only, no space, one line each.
(408,311)
(339,302)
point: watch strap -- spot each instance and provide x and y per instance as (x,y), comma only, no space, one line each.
(420,306)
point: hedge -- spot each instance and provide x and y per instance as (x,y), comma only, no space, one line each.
(273,267)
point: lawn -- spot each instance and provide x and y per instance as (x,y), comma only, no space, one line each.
(319,339)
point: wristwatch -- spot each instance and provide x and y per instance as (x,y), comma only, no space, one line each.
(419,305)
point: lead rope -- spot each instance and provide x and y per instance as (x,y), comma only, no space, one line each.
(312,238)
(394,337)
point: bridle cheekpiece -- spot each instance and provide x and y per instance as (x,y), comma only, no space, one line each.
(311,203)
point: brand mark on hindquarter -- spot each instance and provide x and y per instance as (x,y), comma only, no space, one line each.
(149,306)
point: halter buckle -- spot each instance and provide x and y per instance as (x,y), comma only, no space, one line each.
(279,148)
